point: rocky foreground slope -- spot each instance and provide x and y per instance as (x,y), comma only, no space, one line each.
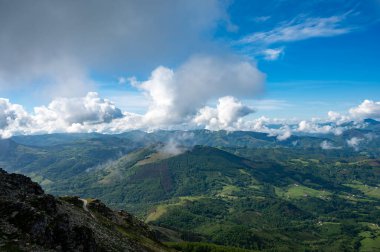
(31,220)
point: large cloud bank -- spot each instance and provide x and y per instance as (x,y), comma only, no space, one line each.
(204,92)
(176,97)
(92,113)
(60,42)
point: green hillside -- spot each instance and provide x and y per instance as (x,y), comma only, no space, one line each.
(243,190)
(211,195)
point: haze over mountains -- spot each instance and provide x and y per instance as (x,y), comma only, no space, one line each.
(310,191)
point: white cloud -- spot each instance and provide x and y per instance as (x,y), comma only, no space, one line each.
(129,121)
(370,136)
(82,114)
(271,126)
(258,124)
(337,117)
(284,133)
(367,109)
(227,112)
(272,54)
(176,96)
(90,109)
(92,113)
(327,145)
(12,118)
(178,143)
(316,128)
(300,29)
(354,142)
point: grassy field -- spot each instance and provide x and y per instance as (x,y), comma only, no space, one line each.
(162,209)
(228,191)
(370,242)
(370,191)
(296,191)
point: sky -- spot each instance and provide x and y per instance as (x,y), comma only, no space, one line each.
(112,66)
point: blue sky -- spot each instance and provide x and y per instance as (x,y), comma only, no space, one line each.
(314,74)
(174,61)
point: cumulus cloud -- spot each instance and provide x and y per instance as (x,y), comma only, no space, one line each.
(174,97)
(355,115)
(280,128)
(327,145)
(12,118)
(337,117)
(317,128)
(91,113)
(367,109)
(177,95)
(224,116)
(80,114)
(90,109)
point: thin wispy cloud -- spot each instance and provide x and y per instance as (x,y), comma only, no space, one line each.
(262,19)
(122,80)
(300,29)
(327,145)
(270,104)
(273,54)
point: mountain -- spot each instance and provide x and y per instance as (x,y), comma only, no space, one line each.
(197,187)
(70,155)
(272,196)
(371,122)
(53,139)
(34,221)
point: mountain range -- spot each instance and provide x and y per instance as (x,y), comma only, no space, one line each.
(248,190)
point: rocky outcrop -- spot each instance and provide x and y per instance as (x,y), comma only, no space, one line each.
(34,221)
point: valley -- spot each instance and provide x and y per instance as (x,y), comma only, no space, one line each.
(211,188)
